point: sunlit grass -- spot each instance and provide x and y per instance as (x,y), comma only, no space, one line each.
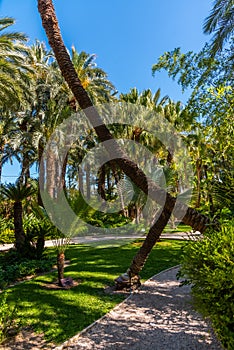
(179,229)
(60,314)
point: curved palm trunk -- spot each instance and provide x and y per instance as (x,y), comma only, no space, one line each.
(50,23)
(131,277)
(191,217)
(152,237)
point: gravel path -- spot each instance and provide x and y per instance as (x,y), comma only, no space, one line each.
(120,239)
(158,317)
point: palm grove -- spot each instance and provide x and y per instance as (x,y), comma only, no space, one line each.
(40,89)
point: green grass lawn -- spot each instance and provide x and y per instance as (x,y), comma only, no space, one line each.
(179,229)
(60,314)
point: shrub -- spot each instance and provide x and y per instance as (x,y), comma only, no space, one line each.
(208,264)
(8,315)
(6,231)
(12,268)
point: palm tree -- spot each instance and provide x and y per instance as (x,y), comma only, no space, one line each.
(7,130)
(44,108)
(50,23)
(192,217)
(93,79)
(17,193)
(221,23)
(13,70)
(145,98)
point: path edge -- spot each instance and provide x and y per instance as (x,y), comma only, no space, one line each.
(75,337)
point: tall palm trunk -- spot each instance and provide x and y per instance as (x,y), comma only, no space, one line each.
(63,174)
(41,239)
(88,184)
(60,265)
(80,179)
(101,181)
(18,227)
(50,174)
(41,172)
(25,172)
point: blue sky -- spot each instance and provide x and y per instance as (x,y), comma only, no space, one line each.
(126,35)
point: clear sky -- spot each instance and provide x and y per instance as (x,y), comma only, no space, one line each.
(126,35)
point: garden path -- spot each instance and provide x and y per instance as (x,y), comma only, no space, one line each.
(157,317)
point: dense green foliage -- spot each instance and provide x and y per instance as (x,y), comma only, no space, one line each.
(208,264)
(14,268)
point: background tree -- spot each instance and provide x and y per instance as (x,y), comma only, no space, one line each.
(212,105)
(220,22)
(18,193)
(13,70)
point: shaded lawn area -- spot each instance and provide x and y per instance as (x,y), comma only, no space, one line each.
(60,314)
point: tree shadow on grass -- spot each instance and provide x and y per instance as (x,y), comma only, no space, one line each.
(60,314)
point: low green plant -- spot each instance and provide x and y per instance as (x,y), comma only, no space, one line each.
(208,264)
(13,268)
(9,323)
(6,231)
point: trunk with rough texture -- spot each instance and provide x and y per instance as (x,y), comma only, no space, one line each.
(153,236)
(101,181)
(18,227)
(41,174)
(63,174)
(60,266)
(40,245)
(88,186)
(131,278)
(50,23)
(80,178)
(50,174)
(25,172)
